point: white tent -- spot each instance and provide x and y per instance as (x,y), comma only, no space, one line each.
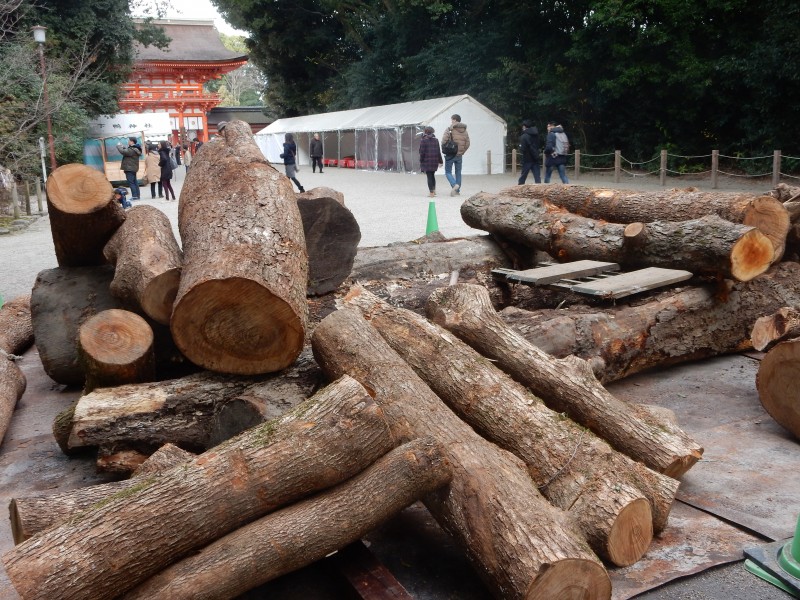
(387,137)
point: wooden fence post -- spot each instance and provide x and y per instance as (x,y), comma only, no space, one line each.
(714,168)
(488,162)
(577,163)
(27,197)
(39,195)
(617,165)
(663,169)
(513,161)
(776,167)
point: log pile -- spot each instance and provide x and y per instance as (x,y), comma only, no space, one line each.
(443,386)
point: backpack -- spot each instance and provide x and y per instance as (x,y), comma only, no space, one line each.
(562,144)
(450,147)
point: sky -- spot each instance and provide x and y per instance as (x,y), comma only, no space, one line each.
(199,9)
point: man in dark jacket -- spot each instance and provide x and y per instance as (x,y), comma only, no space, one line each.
(315,151)
(529,146)
(458,133)
(130,164)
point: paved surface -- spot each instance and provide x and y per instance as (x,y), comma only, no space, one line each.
(393,207)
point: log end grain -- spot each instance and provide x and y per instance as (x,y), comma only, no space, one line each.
(751,255)
(771,218)
(631,534)
(777,387)
(159,295)
(571,579)
(237,326)
(77,189)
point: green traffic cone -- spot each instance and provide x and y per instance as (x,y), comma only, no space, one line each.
(433,224)
(778,563)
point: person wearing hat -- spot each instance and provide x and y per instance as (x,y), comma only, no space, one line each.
(529,147)
(130,164)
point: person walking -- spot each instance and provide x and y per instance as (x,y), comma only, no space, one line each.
(152,171)
(289,160)
(529,146)
(457,132)
(315,150)
(187,157)
(556,149)
(429,158)
(130,164)
(165,162)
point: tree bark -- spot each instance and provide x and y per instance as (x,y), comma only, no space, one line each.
(520,545)
(565,385)
(764,212)
(694,323)
(110,548)
(116,347)
(305,532)
(83,214)
(777,387)
(321,192)
(33,514)
(774,328)
(602,489)
(16,328)
(332,236)
(61,301)
(194,412)
(244,312)
(704,245)
(148,263)
(12,386)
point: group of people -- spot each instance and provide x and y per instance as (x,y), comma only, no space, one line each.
(160,163)
(430,154)
(554,159)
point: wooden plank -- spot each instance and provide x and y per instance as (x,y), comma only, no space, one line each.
(368,577)
(552,273)
(634,282)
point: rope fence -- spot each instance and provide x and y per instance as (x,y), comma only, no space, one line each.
(676,165)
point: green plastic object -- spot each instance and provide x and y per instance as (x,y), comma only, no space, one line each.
(789,557)
(433,223)
(768,577)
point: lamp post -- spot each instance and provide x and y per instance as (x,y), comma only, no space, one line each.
(39,34)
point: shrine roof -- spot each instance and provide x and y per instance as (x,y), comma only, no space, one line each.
(192,41)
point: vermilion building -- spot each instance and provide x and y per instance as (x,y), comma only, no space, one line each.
(172,80)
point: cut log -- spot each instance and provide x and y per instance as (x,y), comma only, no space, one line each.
(578,472)
(520,545)
(195,412)
(32,514)
(148,263)
(779,326)
(565,385)
(16,327)
(116,347)
(704,245)
(61,301)
(321,192)
(777,384)
(120,462)
(245,311)
(763,212)
(305,532)
(12,386)
(332,236)
(694,323)
(110,548)
(83,214)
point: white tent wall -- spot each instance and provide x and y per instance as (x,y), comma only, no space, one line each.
(387,137)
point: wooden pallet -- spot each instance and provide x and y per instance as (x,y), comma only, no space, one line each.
(594,278)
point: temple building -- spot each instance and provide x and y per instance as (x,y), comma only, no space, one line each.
(171,80)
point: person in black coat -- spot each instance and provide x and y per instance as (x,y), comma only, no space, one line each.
(529,146)
(430,157)
(315,150)
(289,162)
(165,162)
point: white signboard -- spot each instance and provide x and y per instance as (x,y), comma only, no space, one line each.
(154,125)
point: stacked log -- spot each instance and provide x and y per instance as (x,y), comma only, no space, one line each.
(16,335)
(771,329)
(244,312)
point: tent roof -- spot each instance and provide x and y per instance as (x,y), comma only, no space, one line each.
(419,112)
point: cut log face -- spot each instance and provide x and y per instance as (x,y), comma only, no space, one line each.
(321,192)
(16,328)
(83,214)
(241,305)
(147,262)
(769,330)
(116,347)
(777,384)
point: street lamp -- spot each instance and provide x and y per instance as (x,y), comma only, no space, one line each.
(39,35)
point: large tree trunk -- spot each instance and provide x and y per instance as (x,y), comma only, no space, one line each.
(578,472)
(565,385)
(704,245)
(148,263)
(321,192)
(305,532)
(771,329)
(241,305)
(332,236)
(694,323)
(12,386)
(116,347)
(777,384)
(765,213)
(31,514)
(61,301)
(194,412)
(110,548)
(16,327)
(83,214)
(521,546)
